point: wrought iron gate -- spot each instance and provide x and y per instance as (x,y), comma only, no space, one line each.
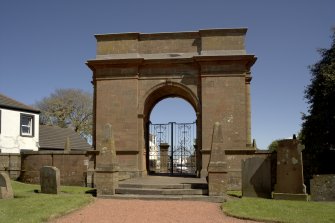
(172,148)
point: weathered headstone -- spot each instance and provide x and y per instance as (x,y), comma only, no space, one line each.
(50,180)
(106,175)
(217,167)
(256,177)
(290,180)
(164,157)
(6,191)
(323,187)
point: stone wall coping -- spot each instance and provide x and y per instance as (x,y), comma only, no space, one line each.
(324,175)
(263,152)
(10,154)
(73,152)
(126,152)
(240,151)
(171,35)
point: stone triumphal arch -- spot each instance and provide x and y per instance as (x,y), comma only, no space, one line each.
(210,69)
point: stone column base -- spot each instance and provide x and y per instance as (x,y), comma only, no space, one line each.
(285,196)
(106,182)
(217,183)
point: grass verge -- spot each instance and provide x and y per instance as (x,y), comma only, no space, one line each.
(280,210)
(29,206)
(235,193)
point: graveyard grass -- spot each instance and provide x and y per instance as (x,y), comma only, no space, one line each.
(281,210)
(29,206)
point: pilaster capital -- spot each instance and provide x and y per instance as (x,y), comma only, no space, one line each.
(248,78)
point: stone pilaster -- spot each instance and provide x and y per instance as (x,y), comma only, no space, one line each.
(248,109)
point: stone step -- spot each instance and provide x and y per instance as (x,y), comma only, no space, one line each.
(215,199)
(155,191)
(164,186)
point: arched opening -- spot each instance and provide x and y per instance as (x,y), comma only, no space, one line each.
(172,131)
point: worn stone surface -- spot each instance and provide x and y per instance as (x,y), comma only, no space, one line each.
(256,177)
(6,191)
(164,157)
(217,167)
(107,149)
(290,178)
(132,72)
(323,187)
(106,174)
(50,180)
(11,164)
(75,166)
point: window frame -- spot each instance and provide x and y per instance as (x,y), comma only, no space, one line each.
(32,132)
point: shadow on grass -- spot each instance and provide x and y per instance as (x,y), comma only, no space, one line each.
(93,192)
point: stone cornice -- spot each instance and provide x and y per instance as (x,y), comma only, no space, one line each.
(239,31)
(248,78)
(92,64)
(248,59)
(183,34)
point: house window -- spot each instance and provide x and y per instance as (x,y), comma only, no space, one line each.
(27,125)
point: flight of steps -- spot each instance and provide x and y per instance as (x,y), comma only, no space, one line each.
(165,191)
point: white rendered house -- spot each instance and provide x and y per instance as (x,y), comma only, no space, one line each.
(19,126)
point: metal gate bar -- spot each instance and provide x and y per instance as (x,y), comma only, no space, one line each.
(179,158)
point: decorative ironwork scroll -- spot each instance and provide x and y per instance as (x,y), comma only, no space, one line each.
(180,139)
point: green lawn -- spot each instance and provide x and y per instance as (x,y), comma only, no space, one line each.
(281,211)
(29,206)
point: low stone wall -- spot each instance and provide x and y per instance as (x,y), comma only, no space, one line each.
(323,187)
(76,167)
(256,177)
(234,159)
(11,164)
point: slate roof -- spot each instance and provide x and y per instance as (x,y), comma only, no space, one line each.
(9,103)
(54,138)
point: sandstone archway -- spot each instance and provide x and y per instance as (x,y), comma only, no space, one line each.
(208,68)
(166,90)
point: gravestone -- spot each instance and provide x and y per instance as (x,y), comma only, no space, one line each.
(256,177)
(290,180)
(323,187)
(50,180)
(6,191)
(217,167)
(106,176)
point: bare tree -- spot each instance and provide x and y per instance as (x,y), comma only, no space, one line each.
(68,108)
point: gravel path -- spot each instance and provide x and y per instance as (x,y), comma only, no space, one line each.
(138,211)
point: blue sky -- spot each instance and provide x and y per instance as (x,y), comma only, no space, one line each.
(44,46)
